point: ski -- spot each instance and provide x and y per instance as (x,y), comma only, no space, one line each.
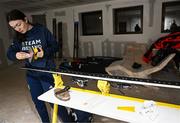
(118,79)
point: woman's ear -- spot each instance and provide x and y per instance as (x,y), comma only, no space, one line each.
(26,20)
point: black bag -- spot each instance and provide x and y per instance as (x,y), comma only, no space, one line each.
(95,64)
(162,54)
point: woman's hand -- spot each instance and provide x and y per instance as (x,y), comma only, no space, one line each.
(22,55)
(40,53)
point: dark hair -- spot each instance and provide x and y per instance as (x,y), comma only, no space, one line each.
(17,15)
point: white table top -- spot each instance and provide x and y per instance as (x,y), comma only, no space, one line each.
(94,102)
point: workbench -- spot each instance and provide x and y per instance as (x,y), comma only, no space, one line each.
(118,107)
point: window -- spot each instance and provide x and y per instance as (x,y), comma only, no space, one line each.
(170,16)
(92,23)
(40,19)
(128,20)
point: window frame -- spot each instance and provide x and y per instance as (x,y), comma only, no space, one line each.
(115,10)
(164,5)
(83,32)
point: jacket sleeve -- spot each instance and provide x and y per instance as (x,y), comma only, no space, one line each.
(12,50)
(52,45)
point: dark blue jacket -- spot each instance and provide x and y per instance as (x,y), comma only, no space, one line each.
(38,36)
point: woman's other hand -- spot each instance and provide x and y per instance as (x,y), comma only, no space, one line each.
(40,53)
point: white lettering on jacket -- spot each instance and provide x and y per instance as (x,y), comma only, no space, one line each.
(28,45)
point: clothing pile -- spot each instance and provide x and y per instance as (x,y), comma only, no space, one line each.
(165,45)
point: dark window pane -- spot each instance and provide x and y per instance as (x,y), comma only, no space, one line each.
(128,20)
(92,23)
(170,16)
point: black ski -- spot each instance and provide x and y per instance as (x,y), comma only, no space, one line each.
(118,79)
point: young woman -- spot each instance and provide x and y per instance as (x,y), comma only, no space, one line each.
(28,37)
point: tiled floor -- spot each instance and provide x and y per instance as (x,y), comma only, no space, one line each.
(16,105)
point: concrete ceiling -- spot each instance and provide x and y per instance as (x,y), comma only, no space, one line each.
(37,5)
